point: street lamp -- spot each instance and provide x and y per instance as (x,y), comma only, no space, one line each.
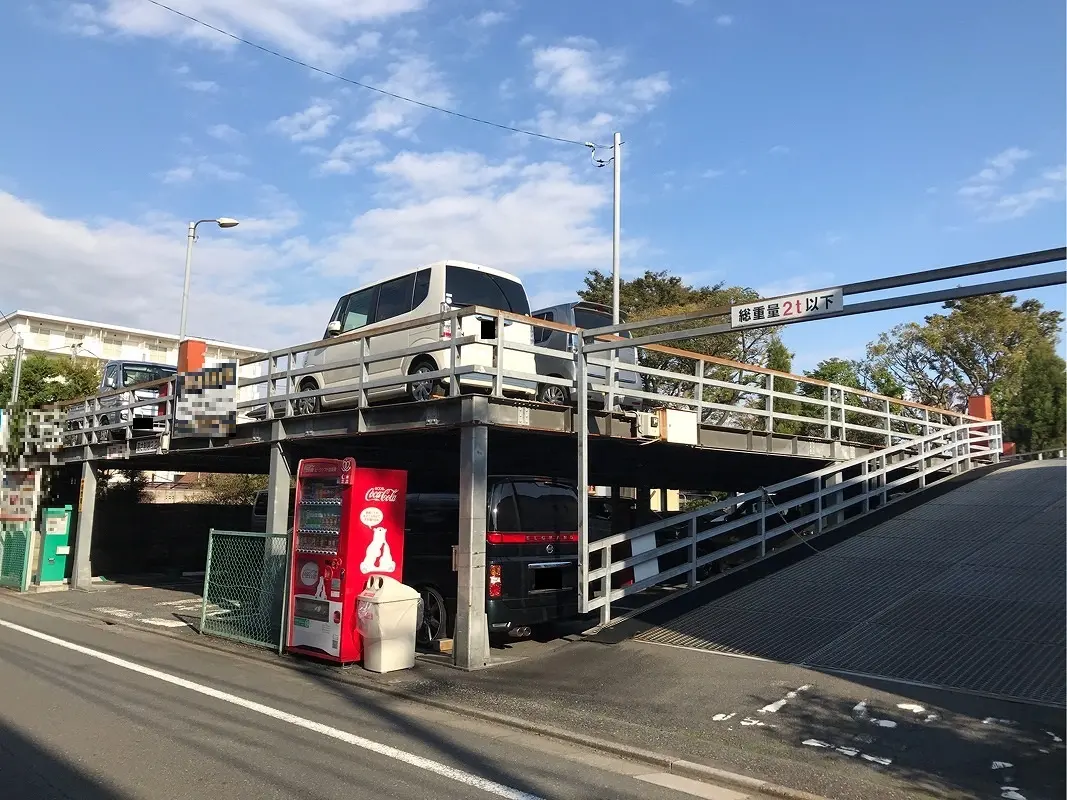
(222,222)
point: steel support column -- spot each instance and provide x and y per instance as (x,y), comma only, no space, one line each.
(81,576)
(276,546)
(471,645)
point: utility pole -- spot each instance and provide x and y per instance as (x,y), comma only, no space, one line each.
(17,374)
(616,232)
(616,227)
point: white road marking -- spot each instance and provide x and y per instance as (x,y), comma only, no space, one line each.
(1002,765)
(860,711)
(851,752)
(163,623)
(690,786)
(121,613)
(1055,738)
(420,762)
(912,707)
(776,706)
(1011,793)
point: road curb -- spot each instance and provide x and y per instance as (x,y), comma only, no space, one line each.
(678,766)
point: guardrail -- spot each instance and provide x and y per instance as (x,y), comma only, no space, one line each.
(493,352)
(723,536)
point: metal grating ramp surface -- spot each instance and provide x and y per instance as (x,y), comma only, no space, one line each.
(963,592)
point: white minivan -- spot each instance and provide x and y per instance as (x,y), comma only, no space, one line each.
(424,292)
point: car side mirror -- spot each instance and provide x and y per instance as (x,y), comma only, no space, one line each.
(333,328)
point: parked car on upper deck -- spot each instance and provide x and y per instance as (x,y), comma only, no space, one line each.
(130,375)
(583,315)
(429,290)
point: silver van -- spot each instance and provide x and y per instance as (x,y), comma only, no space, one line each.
(418,293)
(582,315)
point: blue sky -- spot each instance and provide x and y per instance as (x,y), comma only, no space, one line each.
(775,145)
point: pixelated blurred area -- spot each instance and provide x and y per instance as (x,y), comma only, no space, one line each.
(206,402)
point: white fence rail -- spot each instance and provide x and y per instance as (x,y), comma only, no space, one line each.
(492,352)
(688,548)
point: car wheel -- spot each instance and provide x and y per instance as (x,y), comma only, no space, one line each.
(421,391)
(305,405)
(554,395)
(434,623)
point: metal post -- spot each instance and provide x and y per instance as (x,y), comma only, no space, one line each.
(864,467)
(188,268)
(828,414)
(692,552)
(769,405)
(761,524)
(16,377)
(471,646)
(582,388)
(836,498)
(616,153)
(277,544)
(207,581)
(82,571)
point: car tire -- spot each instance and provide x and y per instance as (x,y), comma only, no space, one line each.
(553,395)
(435,621)
(422,391)
(304,406)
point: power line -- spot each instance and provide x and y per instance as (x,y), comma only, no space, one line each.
(385,92)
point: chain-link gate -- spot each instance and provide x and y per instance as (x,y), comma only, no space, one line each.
(15,554)
(244,587)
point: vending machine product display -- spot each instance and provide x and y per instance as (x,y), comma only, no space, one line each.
(348,524)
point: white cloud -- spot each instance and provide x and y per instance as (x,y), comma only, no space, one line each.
(264,284)
(329,33)
(200,167)
(713,173)
(235,294)
(349,154)
(525,217)
(724,20)
(414,77)
(995,197)
(201,86)
(778,150)
(224,133)
(488,19)
(589,84)
(795,284)
(312,123)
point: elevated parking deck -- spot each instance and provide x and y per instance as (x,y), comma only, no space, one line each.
(963,592)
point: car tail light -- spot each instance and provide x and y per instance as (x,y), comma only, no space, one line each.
(496,584)
(161,409)
(446,329)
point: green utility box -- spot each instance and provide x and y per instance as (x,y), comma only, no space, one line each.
(55,544)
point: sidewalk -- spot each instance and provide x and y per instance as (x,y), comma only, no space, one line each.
(798,728)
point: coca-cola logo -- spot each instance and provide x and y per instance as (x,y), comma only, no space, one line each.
(379,494)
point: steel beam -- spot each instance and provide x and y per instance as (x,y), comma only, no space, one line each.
(82,571)
(471,641)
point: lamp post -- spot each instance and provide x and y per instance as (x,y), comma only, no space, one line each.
(222,222)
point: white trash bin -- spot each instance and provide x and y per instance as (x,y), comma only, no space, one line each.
(387,614)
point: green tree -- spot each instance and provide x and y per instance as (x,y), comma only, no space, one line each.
(780,359)
(1037,415)
(657,294)
(979,347)
(234,490)
(123,487)
(46,379)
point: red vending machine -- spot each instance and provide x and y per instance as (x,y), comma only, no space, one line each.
(348,523)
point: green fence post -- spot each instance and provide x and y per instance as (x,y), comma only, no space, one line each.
(207,581)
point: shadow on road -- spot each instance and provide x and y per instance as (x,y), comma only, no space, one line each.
(29,771)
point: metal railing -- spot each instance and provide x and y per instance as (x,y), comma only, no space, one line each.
(244,587)
(691,547)
(493,352)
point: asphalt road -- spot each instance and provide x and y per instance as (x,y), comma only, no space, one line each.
(96,712)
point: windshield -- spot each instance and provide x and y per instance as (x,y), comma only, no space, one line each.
(469,287)
(585,319)
(143,373)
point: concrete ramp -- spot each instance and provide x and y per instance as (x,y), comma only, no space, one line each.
(964,592)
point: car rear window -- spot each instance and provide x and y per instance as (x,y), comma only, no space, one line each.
(469,287)
(537,507)
(584,318)
(143,373)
